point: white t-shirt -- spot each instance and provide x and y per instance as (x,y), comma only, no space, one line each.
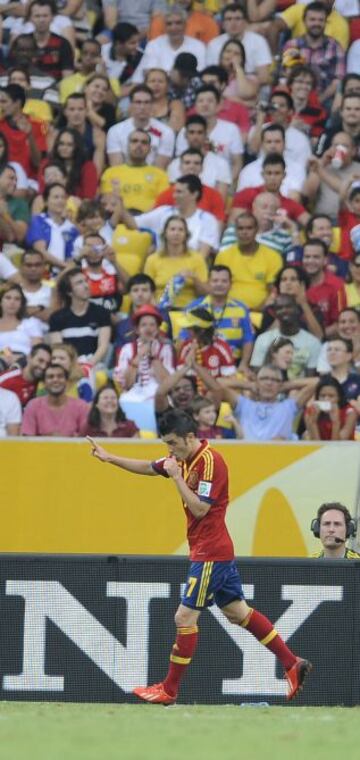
(225,138)
(353,58)
(160,55)
(162,139)
(114,68)
(19,340)
(257,51)
(215,169)
(202,225)
(20,26)
(7,269)
(251,176)
(41,297)
(307,350)
(297,146)
(10,410)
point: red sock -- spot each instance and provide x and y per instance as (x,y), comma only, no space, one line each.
(180,658)
(264,631)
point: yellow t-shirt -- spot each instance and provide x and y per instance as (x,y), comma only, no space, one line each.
(252,275)
(38,109)
(76,82)
(162,268)
(139,185)
(352,296)
(131,247)
(336,26)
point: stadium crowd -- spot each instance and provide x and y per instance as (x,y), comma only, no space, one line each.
(180,217)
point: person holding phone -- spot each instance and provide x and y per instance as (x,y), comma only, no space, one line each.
(329,417)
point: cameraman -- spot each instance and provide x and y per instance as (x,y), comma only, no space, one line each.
(279,110)
(333,525)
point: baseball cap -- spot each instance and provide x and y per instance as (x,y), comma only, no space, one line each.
(186,63)
(147,310)
(197,318)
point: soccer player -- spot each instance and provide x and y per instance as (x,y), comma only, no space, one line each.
(200,476)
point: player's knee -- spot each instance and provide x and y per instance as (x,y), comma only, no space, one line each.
(184,618)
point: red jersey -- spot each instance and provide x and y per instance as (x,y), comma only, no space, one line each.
(206,474)
(217,357)
(13,380)
(245,199)
(18,141)
(347,220)
(211,201)
(329,296)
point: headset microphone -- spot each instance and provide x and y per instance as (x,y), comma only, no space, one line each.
(339,540)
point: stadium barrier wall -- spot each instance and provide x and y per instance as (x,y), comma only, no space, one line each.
(57,499)
(89,629)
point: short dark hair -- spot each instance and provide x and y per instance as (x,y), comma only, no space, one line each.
(347,79)
(234,7)
(334,505)
(302,276)
(221,268)
(315,7)
(310,224)
(31,252)
(208,88)
(193,184)
(217,71)
(178,422)
(23,71)
(299,71)
(123,32)
(140,279)
(141,88)
(44,3)
(346,341)
(75,96)
(88,208)
(195,118)
(329,380)
(274,159)
(15,92)
(354,192)
(273,128)
(352,309)
(48,188)
(283,94)
(64,284)
(40,347)
(318,242)
(55,365)
(192,152)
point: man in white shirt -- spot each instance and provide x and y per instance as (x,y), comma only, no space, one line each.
(224,137)
(273,141)
(280,110)
(161,52)
(203,226)
(10,413)
(162,136)
(216,171)
(257,51)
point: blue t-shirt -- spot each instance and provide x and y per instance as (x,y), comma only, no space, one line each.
(264,421)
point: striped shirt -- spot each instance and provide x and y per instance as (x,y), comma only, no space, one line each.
(277,238)
(232,322)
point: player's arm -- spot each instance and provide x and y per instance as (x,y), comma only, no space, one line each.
(197,507)
(138,466)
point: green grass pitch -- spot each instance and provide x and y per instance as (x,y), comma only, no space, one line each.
(58,731)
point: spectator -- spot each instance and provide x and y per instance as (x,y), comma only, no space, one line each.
(140,290)
(10,414)
(307,347)
(161,52)
(253,265)
(200,25)
(326,290)
(216,171)
(100,112)
(328,175)
(88,60)
(339,356)
(70,153)
(203,227)
(330,417)
(51,232)
(320,226)
(107,419)
(275,228)
(105,278)
(184,81)
(25,136)
(137,14)
(14,212)
(349,221)
(52,54)
(352,288)
(180,389)
(80,377)
(75,117)
(257,51)
(55,414)
(204,412)
(137,182)
(349,328)
(309,114)
(121,57)
(225,138)
(293,175)
(179,273)
(293,281)
(231,317)
(162,137)
(266,418)
(239,85)
(17,334)
(81,323)
(280,111)
(37,291)
(167,106)
(280,354)
(191,162)
(22,181)
(211,352)
(293,19)
(23,381)
(38,110)
(325,55)
(347,121)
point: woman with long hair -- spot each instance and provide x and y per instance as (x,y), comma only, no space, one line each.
(100,112)
(69,152)
(280,354)
(17,332)
(309,115)
(241,86)
(329,417)
(51,232)
(107,419)
(293,281)
(180,275)
(171,112)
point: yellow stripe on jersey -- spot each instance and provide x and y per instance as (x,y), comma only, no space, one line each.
(269,637)
(187,631)
(180,660)
(204,583)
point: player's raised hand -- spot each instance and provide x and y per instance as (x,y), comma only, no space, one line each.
(172,468)
(98,451)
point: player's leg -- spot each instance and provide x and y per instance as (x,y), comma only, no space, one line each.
(231,601)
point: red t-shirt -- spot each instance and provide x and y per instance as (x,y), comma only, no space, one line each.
(211,201)
(217,357)
(347,220)
(329,296)
(18,142)
(206,474)
(245,199)
(13,380)
(325,425)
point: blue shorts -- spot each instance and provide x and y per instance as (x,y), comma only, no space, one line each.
(211,583)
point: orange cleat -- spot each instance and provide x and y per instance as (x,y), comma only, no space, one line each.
(155,694)
(296,675)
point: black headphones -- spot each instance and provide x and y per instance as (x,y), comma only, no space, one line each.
(351,524)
